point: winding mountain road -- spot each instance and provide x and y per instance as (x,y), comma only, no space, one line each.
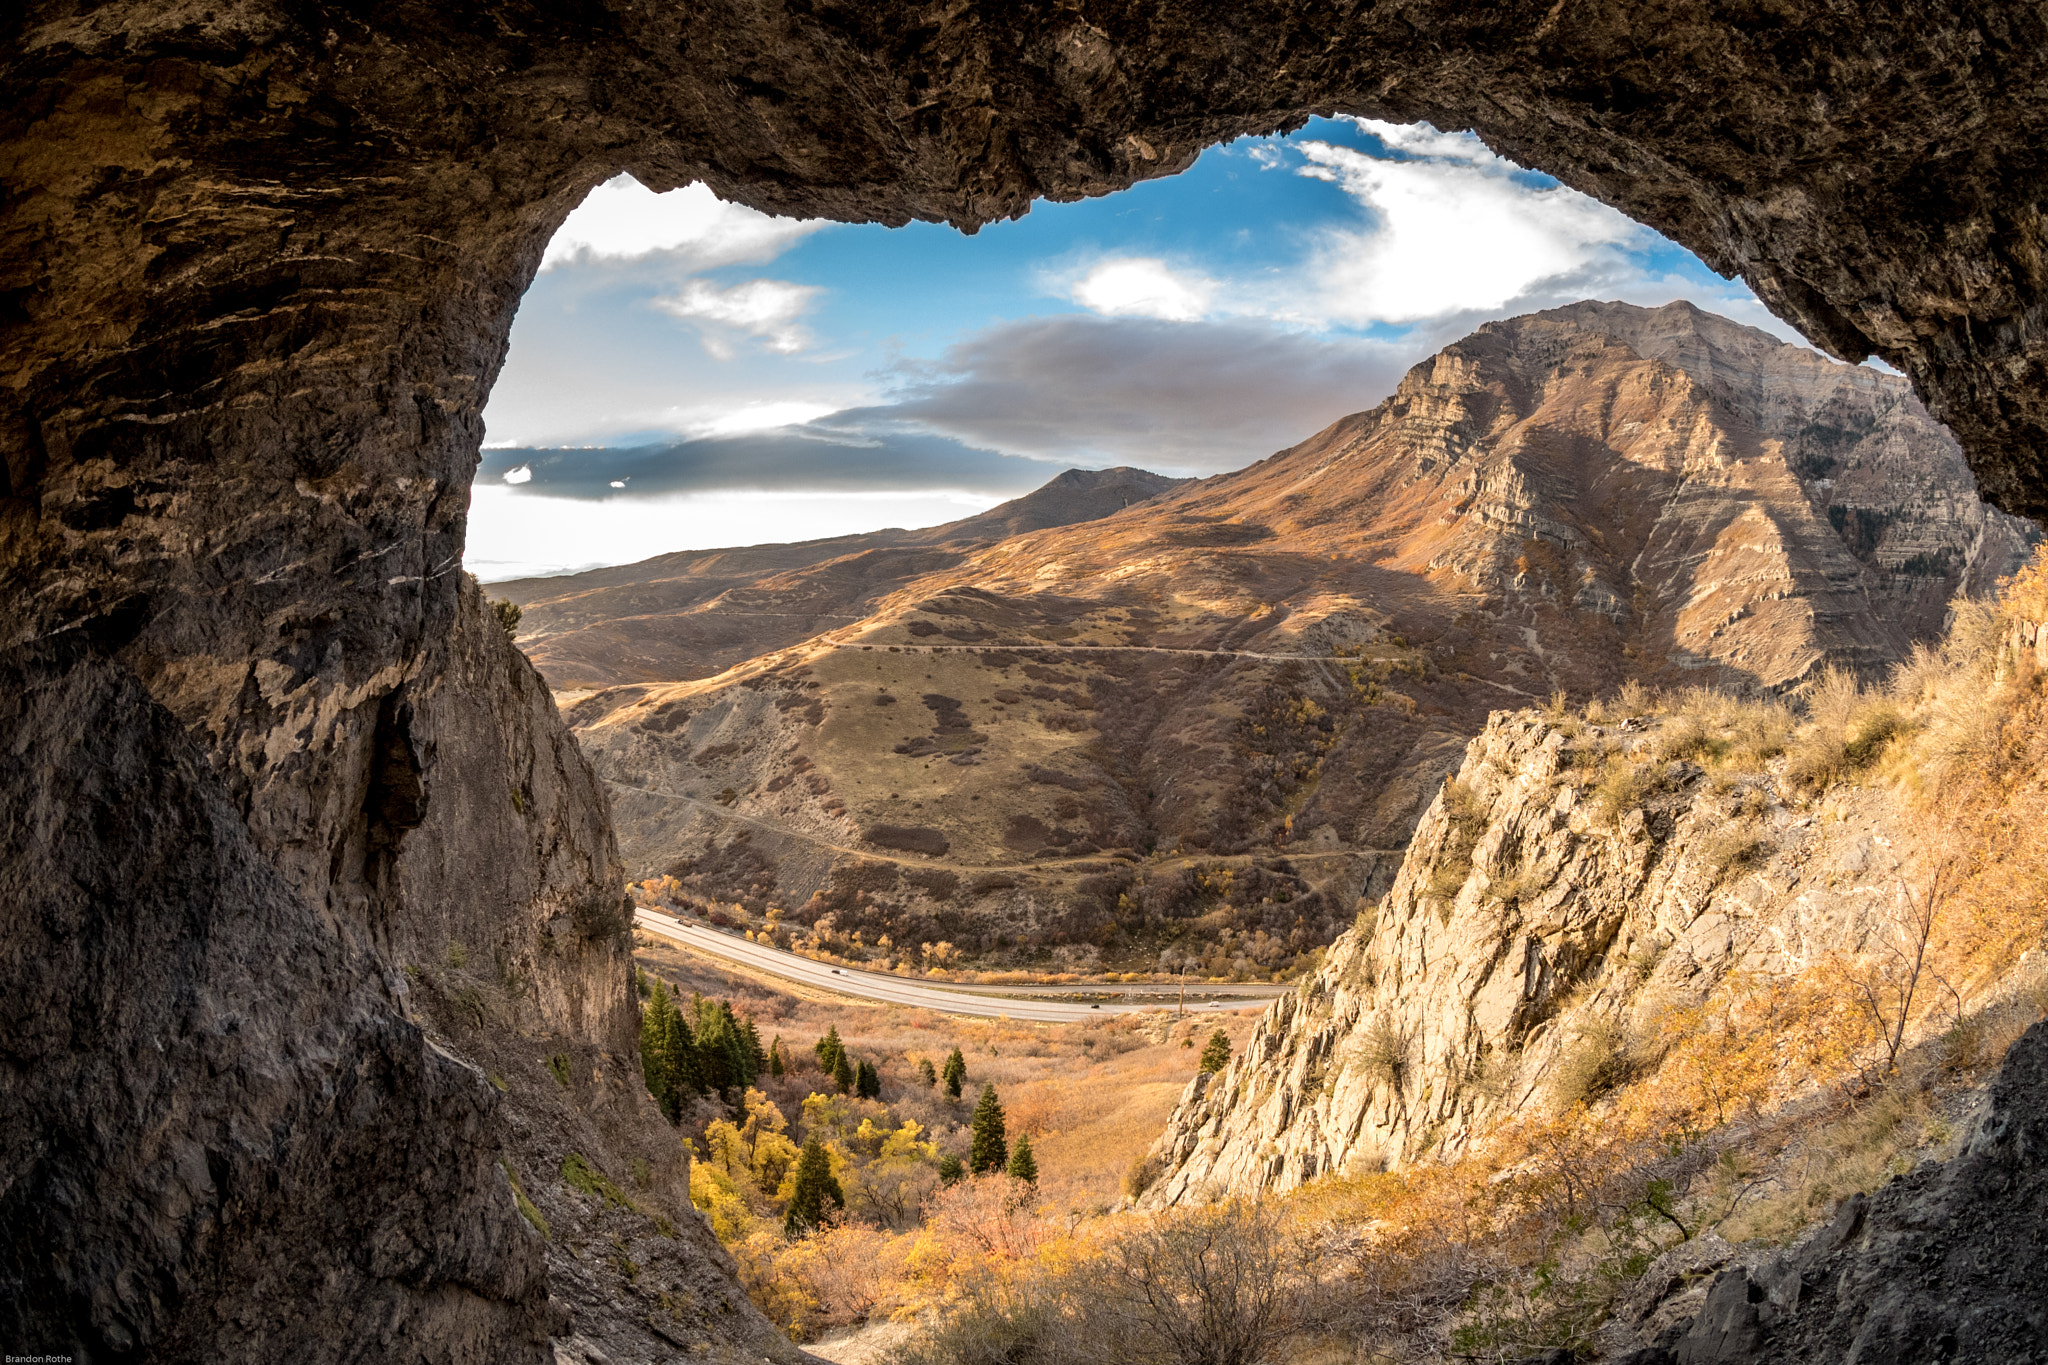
(978,1002)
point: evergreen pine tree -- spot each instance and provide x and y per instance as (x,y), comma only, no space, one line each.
(842,1073)
(925,1072)
(654,1059)
(739,1055)
(1216,1055)
(828,1050)
(814,1185)
(775,1064)
(950,1169)
(757,1058)
(867,1082)
(956,1072)
(990,1150)
(1023,1165)
(685,1065)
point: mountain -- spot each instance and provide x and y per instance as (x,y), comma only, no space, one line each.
(697,612)
(1204,725)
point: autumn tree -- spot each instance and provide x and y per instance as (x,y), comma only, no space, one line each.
(990,1149)
(814,1185)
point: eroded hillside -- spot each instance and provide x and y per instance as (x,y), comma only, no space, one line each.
(1204,725)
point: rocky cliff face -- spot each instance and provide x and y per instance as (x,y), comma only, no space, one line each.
(1527,924)
(223,1137)
(1942,1264)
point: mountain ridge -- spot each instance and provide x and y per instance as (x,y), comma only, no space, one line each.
(1267,673)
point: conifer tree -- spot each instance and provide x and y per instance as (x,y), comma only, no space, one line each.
(828,1050)
(1216,1055)
(867,1082)
(668,1052)
(842,1073)
(757,1057)
(950,1169)
(1023,1165)
(775,1063)
(990,1149)
(956,1072)
(925,1072)
(654,1062)
(814,1185)
(685,1063)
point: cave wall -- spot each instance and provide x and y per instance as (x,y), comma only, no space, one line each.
(258,263)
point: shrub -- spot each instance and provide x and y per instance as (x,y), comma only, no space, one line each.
(1622,787)
(1594,1063)
(1729,847)
(1382,1053)
(508,614)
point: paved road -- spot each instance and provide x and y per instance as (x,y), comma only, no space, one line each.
(895,990)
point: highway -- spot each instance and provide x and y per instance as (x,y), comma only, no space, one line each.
(896,990)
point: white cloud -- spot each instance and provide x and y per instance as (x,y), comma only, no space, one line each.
(513,535)
(765,416)
(767,309)
(623,220)
(1144,287)
(1454,230)
(1167,396)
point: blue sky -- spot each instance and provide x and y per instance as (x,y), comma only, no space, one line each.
(798,379)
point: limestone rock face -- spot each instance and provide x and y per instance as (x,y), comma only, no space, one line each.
(1519,929)
(223,1138)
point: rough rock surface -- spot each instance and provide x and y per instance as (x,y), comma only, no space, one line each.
(1946,1263)
(222,1139)
(1457,1001)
